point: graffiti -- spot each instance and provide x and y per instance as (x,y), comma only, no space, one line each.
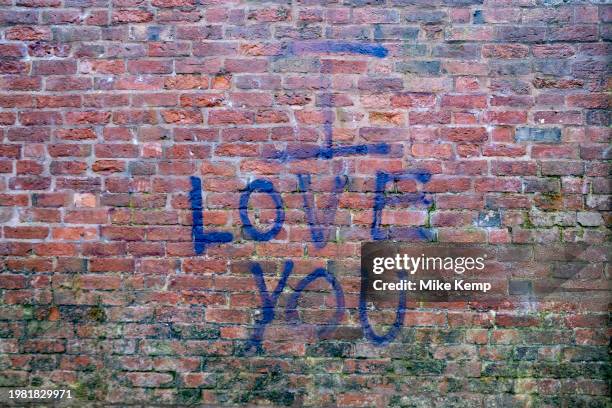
(328,151)
(267,187)
(201,238)
(381,200)
(321,273)
(269,301)
(400,311)
(320,47)
(317,230)
(318,223)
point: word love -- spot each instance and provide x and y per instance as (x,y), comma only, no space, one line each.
(202,238)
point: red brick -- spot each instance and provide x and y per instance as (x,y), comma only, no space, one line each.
(25,232)
(115,150)
(131,16)
(40,118)
(228,117)
(95,216)
(67,167)
(27,33)
(465,134)
(12,282)
(413,100)
(54,67)
(28,167)
(55,249)
(72,101)
(201,100)
(182,116)
(504,51)
(74,233)
(464,101)
(87,117)
(440,151)
(108,166)
(590,101)
(101,282)
(333,66)
(76,134)
(506,117)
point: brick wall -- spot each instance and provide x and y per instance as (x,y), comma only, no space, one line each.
(166,164)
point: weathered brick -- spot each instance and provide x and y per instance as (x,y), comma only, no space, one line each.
(457,121)
(127,16)
(418,67)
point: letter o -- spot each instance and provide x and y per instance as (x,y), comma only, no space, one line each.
(291,313)
(263,186)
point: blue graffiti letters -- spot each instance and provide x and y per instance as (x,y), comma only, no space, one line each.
(291,313)
(201,238)
(320,221)
(368,331)
(264,186)
(381,199)
(318,224)
(328,151)
(319,229)
(268,302)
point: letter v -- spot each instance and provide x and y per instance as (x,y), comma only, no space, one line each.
(317,227)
